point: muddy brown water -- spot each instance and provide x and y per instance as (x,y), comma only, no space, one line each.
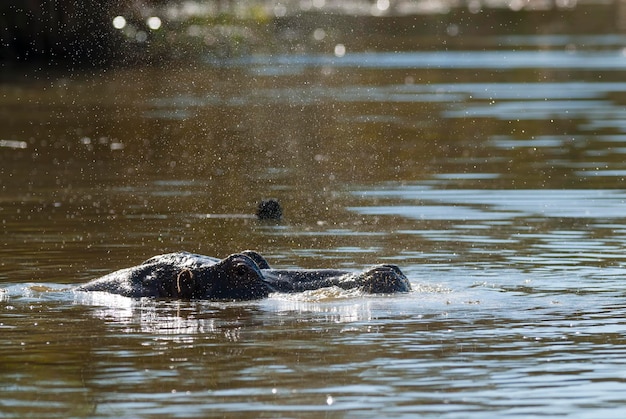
(493,178)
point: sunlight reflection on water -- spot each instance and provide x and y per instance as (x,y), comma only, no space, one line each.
(502,204)
(535,98)
(576,60)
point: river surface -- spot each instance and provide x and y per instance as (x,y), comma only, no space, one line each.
(493,177)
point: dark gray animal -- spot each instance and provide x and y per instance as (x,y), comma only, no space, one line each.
(241,276)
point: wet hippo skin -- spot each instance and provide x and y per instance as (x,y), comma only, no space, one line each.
(240,276)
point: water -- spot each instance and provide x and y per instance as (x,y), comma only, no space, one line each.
(494,178)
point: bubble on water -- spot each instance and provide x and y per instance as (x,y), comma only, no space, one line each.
(141,36)
(565,4)
(119,22)
(329,400)
(154,22)
(340,50)
(319,34)
(382,5)
(13,144)
(474,6)
(452,30)
(280,10)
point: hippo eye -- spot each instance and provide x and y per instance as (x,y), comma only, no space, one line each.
(241,270)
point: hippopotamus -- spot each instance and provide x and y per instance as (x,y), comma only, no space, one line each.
(240,276)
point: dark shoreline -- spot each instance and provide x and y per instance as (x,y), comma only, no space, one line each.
(80,34)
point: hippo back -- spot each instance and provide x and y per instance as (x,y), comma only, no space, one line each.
(143,280)
(182,260)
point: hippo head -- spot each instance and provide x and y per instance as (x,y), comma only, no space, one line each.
(236,277)
(384,279)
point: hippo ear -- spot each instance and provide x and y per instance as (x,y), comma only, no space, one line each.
(185,284)
(257,258)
